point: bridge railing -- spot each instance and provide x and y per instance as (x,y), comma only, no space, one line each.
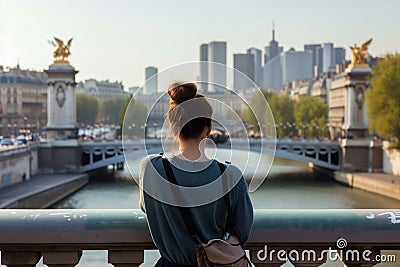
(305,237)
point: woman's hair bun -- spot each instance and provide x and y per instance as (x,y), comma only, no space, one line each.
(181,91)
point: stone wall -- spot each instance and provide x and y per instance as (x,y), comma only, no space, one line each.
(391,159)
(17,165)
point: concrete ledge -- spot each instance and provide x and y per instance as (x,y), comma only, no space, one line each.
(378,183)
(41,191)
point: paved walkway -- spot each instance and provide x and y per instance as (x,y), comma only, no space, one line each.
(36,185)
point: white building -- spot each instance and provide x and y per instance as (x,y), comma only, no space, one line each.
(102,90)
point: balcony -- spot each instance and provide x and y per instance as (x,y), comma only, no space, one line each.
(306,237)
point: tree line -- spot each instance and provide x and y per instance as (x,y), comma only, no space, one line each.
(110,111)
(306,117)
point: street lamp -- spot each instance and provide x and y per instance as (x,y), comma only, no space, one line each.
(15,129)
(25,130)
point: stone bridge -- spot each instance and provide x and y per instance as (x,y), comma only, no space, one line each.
(325,154)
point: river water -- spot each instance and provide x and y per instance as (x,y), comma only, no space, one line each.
(290,185)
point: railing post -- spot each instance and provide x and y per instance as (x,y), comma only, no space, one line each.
(91,156)
(125,258)
(20,258)
(61,258)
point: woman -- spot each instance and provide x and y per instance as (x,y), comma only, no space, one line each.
(189,116)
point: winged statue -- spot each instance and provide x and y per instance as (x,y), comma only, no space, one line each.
(359,53)
(62,51)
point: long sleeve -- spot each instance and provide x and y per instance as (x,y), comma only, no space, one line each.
(143,166)
(243,213)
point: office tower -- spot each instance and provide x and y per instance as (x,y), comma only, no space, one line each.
(151,83)
(340,55)
(204,67)
(296,65)
(318,67)
(273,49)
(332,56)
(272,74)
(327,56)
(243,63)
(289,66)
(217,72)
(313,48)
(257,53)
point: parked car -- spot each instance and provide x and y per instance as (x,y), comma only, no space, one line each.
(6,142)
(20,143)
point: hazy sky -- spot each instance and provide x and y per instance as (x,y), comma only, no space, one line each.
(116,40)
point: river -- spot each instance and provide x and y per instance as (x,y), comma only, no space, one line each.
(290,185)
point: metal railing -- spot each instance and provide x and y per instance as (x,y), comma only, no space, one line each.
(305,237)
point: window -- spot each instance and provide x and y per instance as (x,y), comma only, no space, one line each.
(15,99)
(8,90)
(15,90)
(8,99)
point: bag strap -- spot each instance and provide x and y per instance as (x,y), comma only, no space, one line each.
(187,218)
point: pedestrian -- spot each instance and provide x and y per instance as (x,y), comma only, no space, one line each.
(189,116)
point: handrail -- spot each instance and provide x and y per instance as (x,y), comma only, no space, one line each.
(52,230)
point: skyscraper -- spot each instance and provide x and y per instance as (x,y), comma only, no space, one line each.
(296,65)
(257,53)
(288,66)
(151,83)
(318,67)
(243,63)
(327,57)
(217,72)
(340,55)
(313,48)
(272,74)
(204,67)
(273,49)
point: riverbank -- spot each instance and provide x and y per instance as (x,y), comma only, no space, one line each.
(41,191)
(379,183)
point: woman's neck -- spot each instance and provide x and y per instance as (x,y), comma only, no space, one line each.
(192,149)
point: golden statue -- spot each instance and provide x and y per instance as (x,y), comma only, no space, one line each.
(62,51)
(359,54)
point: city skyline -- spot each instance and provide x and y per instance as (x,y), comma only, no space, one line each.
(117,42)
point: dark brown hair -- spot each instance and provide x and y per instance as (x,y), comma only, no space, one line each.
(188,120)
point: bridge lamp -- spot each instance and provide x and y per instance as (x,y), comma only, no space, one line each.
(15,128)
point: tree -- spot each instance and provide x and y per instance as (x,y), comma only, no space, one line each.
(133,117)
(257,105)
(383,99)
(282,107)
(110,109)
(311,115)
(87,108)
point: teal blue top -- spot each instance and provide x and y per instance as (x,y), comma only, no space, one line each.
(165,222)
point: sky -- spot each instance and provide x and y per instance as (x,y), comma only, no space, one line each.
(117,39)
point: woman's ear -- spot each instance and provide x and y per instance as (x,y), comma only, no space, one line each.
(208,130)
